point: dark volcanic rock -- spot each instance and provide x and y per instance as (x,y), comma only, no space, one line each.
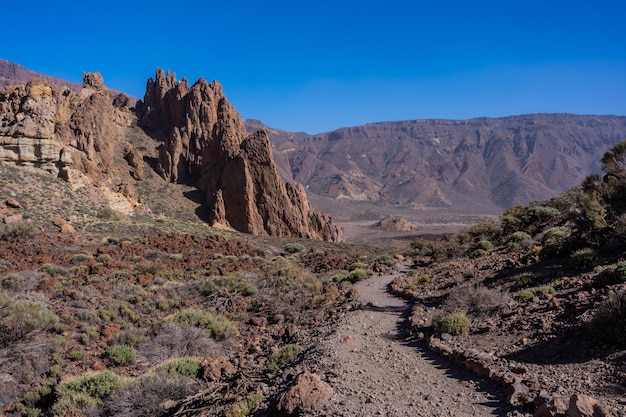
(206,144)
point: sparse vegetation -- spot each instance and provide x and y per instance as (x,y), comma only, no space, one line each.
(455,324)
(219,327)
(121,355)
(609,321)
(284,357)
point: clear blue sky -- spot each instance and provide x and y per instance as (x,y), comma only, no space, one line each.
(319,65)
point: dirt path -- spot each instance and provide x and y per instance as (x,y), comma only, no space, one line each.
(374,371)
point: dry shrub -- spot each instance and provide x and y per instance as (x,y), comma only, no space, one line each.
(609,321)
(476,301)
(144,398)
(173,340)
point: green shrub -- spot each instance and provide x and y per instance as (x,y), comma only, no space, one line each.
(87,390)
(518,237)
(525,295)
(357,265)
(524,281)
(21,318)
(424,278)
(176,257)
(17,231)
(294,248)
(609,321)
(230,284)
(545,291)
(583,259)
(52,270)
(245,407)
(283,357)
(104,258)
(484,245)
(121,355)
(182,367)
(81,257)
(218,326)
(454,324)
(614,274)
(358,274)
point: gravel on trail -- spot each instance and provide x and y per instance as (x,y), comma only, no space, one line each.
(375,369)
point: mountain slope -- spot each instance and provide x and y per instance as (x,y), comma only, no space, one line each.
(477,164)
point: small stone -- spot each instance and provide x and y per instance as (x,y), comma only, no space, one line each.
(68,229)
(446,337)
(13,203)
(16,218)
(59,221)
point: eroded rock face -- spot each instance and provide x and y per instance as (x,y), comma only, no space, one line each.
(206,144)
(64,132)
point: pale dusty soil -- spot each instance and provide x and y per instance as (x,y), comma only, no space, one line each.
(374,370)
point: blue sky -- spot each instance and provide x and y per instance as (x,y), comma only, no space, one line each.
(316,66)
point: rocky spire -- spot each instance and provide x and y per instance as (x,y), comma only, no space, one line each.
(205,143)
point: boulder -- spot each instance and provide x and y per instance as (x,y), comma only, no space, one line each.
(581,405)
(308,394)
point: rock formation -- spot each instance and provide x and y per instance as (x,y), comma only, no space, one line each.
(205,143)
(396,224)
(74,135)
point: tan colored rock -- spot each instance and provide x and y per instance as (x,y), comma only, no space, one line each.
(581,405)
(59,221)
(135,161)
(308,394)
(61,131)
(68,229)
(16,218)
(396,224)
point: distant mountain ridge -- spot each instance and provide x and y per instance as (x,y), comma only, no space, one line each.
(478,165)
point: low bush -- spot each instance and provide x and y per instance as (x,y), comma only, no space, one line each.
(22,318)
(614,274)
(18,231)
(284,357)
(219,327)
(81,257)
(454,324)
(476,301)
(294,248)
(609,321)
(518,237)
(230,284)
(173,340)
(145,396)
(181,367)
(245,407)
(358,274)
(121,355)
(87,390)
(524,281)
(525,295)
(583,259)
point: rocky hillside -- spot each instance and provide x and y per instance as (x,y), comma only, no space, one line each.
(87,137)
(480,164)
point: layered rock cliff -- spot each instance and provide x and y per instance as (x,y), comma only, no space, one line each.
(205,143)
(75,135)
